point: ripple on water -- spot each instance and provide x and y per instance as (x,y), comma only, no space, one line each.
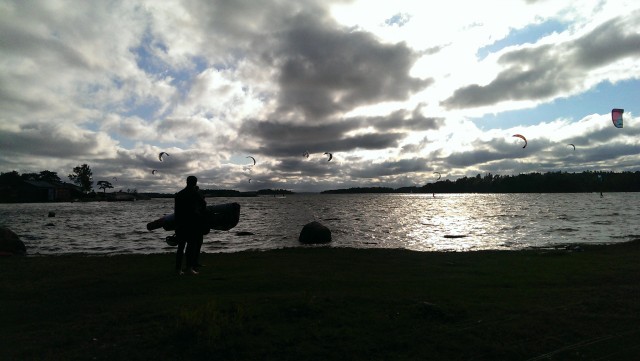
(492,221)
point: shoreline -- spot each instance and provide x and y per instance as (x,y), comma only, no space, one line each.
(320,303)
(571,247)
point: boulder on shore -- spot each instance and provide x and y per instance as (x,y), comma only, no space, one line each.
(10,243)
(314,232)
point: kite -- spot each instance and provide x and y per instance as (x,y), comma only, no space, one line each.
(330,156)
(306,154)
(154,171)
(160,155)
(439,176)
(573,145)
(616,117)
(254,160)
(523,138)
(115,178)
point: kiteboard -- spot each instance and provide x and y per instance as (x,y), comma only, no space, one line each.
(220,217)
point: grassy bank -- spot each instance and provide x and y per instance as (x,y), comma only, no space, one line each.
(326,304)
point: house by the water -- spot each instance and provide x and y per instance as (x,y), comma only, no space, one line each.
(39,191)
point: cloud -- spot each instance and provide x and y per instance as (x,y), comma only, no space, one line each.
(55,141)
(286,140)
(547,71)
(325,69)
(279,138)
(113,83)
(387,168)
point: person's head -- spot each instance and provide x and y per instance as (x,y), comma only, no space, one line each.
(192,181)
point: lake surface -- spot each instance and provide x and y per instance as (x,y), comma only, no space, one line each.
(446,222)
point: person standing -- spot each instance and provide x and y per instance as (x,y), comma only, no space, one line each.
(190,212)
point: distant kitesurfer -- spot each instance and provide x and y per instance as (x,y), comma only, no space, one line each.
(190,213)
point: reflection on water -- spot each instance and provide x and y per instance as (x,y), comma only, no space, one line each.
(455,222)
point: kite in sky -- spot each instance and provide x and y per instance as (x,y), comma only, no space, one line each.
(523,138)
(161,154)
(254,160)
(154,171)
(439,175)
(616,117)
(330,156)
(573,145)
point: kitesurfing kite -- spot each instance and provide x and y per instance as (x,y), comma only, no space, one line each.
(154,171)
(616,117)
(573,145)
(254,160)
(523,138)
(161,154)
(439,176)
(330,156)
(115,178)
(306,154)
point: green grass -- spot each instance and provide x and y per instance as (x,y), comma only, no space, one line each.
(326,304)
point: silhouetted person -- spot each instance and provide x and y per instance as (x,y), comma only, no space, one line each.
(190,211)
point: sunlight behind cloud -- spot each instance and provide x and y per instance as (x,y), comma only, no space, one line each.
(392,88)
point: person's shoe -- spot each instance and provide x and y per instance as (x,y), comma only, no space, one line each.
(192,271)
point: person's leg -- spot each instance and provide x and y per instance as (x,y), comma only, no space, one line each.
(192,246)
(200,240)
(179,255)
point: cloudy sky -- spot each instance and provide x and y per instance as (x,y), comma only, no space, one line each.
(395,90)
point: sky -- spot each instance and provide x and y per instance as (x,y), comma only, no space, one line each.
(394,90)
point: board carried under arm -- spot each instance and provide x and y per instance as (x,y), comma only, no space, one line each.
(221,217)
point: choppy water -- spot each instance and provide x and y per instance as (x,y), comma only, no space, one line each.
(455,222)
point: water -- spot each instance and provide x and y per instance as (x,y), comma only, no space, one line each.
(451,222)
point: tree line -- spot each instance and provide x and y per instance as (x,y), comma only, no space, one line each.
(551,182)
(82,176)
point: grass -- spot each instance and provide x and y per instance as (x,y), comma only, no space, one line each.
(326,304)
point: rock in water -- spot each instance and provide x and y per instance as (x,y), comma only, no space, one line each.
(314,232)
(10,243)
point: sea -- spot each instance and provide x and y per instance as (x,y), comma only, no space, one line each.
(419,222)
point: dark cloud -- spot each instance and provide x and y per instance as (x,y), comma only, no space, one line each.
(395,167)
(404,120)
(326,69)
(608,152)
(474,157)
(51,140)
(286,139)
(280,138)
(496,150)
(547,71)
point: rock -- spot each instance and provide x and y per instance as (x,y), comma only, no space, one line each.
(244,233)
(10,243)
(52,214)
(314,232)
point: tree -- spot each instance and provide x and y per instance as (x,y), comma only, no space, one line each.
(82,176)
(10,178)
(30,176)
(48,176)
(104,185)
